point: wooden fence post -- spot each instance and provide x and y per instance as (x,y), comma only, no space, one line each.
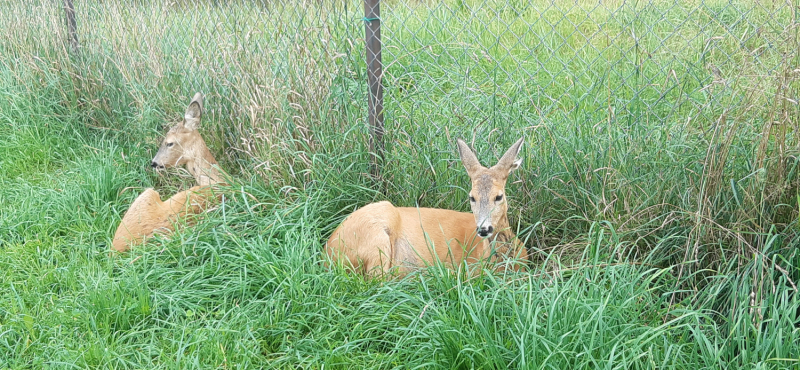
(72,26)
(372,27)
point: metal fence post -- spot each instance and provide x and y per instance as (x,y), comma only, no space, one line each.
(72,32)
(372,28)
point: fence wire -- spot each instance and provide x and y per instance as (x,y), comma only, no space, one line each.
(471,66)
(613,61)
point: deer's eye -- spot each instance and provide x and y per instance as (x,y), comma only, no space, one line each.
(498,198)
(169,145)
(472,199)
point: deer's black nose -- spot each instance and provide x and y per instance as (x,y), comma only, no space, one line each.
(485,231)
(154,164)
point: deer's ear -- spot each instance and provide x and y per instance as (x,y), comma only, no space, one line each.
(468,158)
(191,119)
(511,160)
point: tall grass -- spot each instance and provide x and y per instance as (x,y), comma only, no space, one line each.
(658,193)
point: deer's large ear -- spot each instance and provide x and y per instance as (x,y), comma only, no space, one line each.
(511,160)
(468,158)
(191,119)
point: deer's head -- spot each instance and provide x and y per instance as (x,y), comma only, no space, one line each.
(488,196)
(183,142)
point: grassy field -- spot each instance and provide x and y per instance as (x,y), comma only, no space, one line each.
(658,194)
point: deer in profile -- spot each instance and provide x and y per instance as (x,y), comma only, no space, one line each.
(380,237)
(182,146)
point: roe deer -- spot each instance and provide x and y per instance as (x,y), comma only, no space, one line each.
(380,236)
(182,145)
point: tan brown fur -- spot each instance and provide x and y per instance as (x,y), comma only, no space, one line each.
(182,146)
(380,237)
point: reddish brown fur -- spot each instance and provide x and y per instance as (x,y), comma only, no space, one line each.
(381,237)
(148,214)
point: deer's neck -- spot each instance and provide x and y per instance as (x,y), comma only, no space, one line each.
(504,233)
(504,243)
(204,168)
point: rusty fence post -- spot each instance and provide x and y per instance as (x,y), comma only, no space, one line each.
(372,29)
(72,26)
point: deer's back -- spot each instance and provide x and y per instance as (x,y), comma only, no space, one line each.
(380,234)
(149,215)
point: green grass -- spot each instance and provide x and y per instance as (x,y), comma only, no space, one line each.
(658,193)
